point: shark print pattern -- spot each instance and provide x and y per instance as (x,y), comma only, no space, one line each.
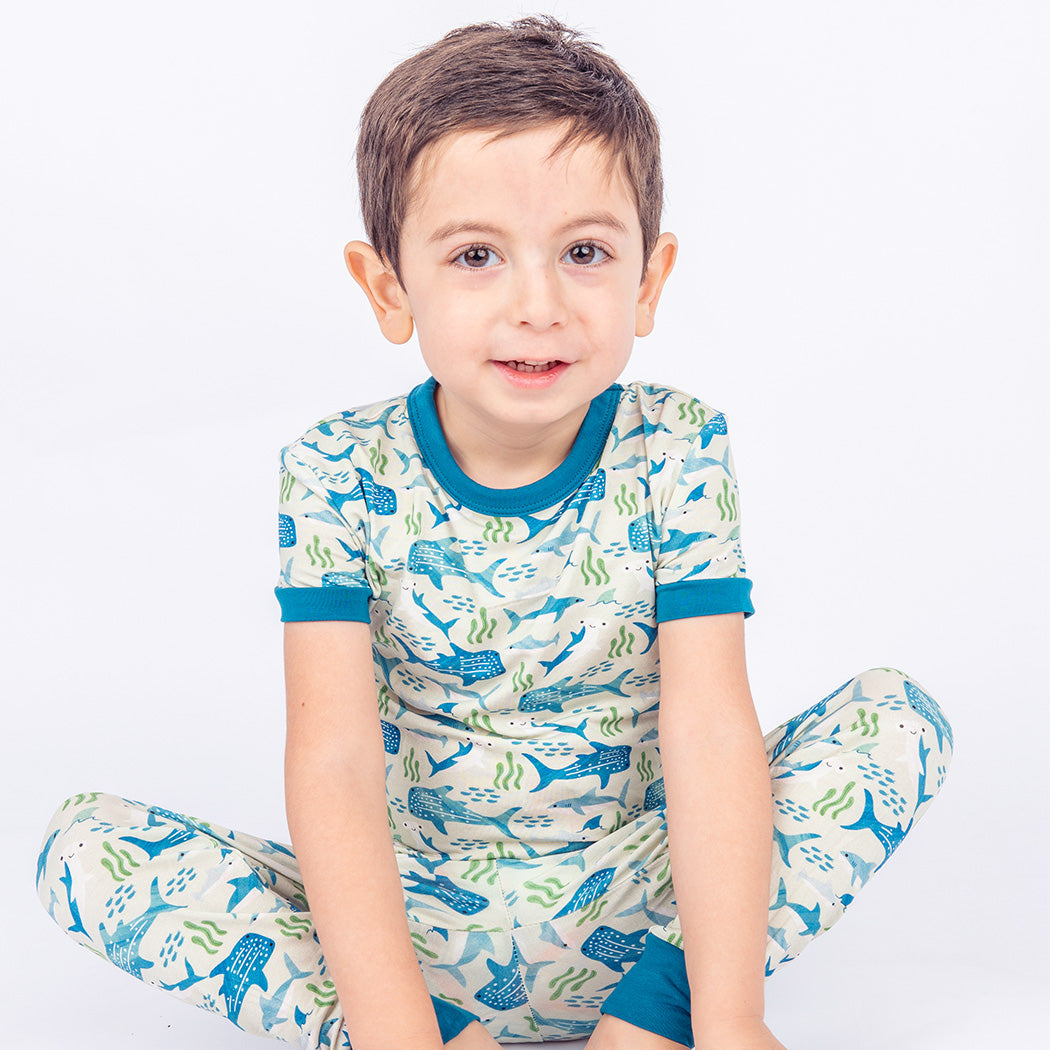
(532,944)
(513,635)
(514,642)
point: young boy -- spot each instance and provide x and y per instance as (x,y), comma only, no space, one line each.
(527,789)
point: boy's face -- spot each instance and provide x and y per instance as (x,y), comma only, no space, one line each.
(521,274)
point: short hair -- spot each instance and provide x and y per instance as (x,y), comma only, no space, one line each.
(533,72)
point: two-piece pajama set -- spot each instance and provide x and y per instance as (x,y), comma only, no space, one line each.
(516,662)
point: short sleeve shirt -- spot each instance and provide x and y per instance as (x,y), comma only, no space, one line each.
(514,630)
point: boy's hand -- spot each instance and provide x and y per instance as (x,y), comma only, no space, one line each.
(473,1037)
(613,1033)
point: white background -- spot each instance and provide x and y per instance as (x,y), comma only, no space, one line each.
(860,194)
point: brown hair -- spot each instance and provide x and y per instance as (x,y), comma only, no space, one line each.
(533,72)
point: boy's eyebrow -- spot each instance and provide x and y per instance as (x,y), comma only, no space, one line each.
(601,218)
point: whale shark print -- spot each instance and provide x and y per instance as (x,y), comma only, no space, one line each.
(506,989)
(613,948)
(516,660)
(241,969)
(122,946)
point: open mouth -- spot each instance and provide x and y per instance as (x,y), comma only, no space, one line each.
(531,366)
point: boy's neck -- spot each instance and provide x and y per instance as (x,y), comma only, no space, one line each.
(506,456)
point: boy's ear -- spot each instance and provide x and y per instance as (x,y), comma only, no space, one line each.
(379,282)
(660,265)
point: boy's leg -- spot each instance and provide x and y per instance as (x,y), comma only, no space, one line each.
(216,917)
(850,777)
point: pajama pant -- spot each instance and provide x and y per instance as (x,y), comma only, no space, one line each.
(533,948)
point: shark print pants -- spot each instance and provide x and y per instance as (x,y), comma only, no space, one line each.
(534,948)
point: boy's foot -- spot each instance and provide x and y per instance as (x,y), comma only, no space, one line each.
(613,1033)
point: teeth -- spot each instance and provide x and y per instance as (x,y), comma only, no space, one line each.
(532,366)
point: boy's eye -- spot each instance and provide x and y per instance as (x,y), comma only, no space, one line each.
(586,254)
(477,257)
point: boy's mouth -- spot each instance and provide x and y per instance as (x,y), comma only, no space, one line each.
(531,366)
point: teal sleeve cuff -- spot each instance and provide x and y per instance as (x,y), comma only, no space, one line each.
(708,597)
(654,993)
(452,1019)
(323,603)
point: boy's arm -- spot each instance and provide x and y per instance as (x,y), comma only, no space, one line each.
(337,812)
(720,826)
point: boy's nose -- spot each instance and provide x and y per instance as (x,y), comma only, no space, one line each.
(537,299)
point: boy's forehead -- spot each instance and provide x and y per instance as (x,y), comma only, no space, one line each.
(511,160)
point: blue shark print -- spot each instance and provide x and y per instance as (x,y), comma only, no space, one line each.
(566,652)
(41,861)
(242,969)
(328,429)
(702,462)
(923,753)
(651,633)
(919,702)
(591,491)
(569,536)
(613,948)
(655,795)
(646,429)
(791,727)
(74,908)
(175,837)
(187,982)
(862,869)
(169,817)
(554,697)
(448,763)
(642,535)
(440,516)
(434,804)
(123,944)
(378,498)
(471,666)
(285,530)
(506,990)
(567,1027)
(786,843)
(478,943)
(632,462)
(697,493)
(809,916)
(271,1007)
(603,762)
(591,889)
(436,559)
(889,835)
(342,579)
(443,626)
(676,540)
(241,887)
(717,425)
(461,901)
(551,607)
(580,802)
(391,737)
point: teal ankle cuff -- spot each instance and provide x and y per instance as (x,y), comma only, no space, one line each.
(452,1019)
(654,993)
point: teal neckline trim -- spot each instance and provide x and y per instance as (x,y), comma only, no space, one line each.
(559,484)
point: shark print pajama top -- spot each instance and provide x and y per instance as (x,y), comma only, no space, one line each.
(514,638)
